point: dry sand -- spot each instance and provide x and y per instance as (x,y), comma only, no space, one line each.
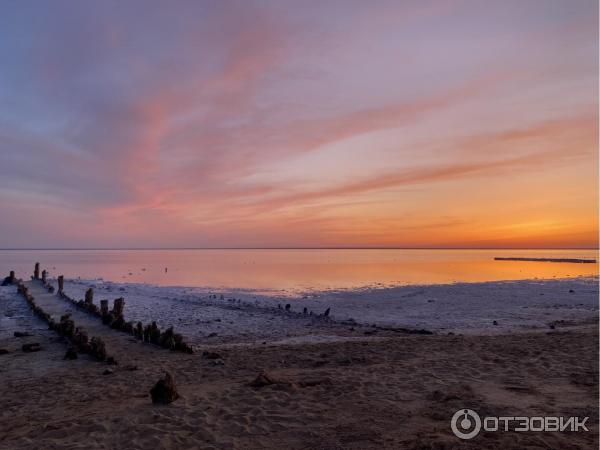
(388,391)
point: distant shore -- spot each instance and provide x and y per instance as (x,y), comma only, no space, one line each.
(555,260)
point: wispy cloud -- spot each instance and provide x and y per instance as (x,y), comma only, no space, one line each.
(222,122)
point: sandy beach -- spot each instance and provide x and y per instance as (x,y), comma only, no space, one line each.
(291,225)
(335,383)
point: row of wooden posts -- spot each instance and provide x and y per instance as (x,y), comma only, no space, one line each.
(66,327)
(114,318)
(44,279)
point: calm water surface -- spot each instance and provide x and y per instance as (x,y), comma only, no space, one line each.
(295,269)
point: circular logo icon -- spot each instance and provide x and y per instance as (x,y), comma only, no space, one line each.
(465,423)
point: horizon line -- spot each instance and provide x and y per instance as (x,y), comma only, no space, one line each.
(291,248)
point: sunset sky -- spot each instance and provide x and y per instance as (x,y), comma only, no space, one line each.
(299,124)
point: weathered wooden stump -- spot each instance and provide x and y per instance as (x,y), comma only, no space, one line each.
(154,334)
(97,348)
(44,273)
(81,339)
(118,306)
(139,330)
(104,307)
(36,271)
(147,329)
(89,296)
(108,319)
(118,323)
(128,327)
(164,390)
(61,284)
(66,327)
(166,338)
(10,279)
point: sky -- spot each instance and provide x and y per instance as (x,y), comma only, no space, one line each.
(422,123)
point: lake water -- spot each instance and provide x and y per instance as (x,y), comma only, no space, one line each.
(296,269)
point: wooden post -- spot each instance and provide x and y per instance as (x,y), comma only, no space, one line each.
(118,306)
(44,273)
(104,307)
(89,296)
(61,284)
(36,271)
(10,279)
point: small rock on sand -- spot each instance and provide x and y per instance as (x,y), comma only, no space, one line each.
(210,355)
(21,334)
(266,379)
(263,379)
(164,390)
(33,347)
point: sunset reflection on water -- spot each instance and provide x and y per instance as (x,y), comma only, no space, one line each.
(296,269)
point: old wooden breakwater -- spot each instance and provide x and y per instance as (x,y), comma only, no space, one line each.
(66,327)
(114,318)
(164,391)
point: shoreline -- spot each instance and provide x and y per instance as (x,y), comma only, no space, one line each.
(468,308)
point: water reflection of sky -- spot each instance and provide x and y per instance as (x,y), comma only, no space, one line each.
(296,269)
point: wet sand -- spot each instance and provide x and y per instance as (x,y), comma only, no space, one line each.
(245,315)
